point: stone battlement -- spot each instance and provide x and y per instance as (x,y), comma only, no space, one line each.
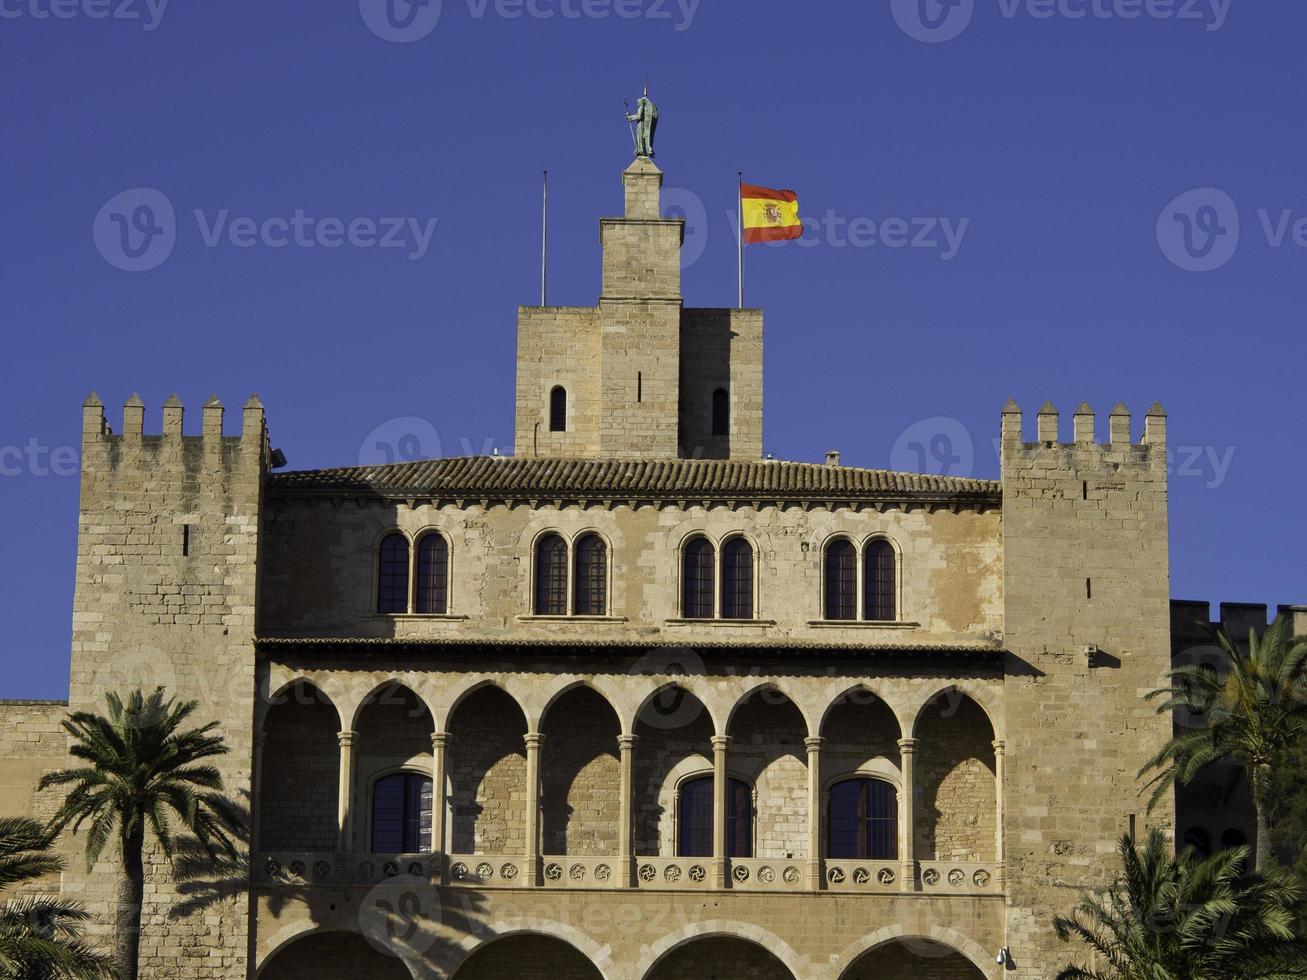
(1191,620)
(172,442)
(1082,425)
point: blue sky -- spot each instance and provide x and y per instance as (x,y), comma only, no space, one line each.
(1041,155)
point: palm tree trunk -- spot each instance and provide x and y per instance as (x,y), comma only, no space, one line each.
(131,896)
(1261,785)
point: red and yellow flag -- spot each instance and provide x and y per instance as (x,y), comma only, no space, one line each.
(769,215)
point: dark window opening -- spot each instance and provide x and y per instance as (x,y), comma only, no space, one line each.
(433,575)
(879,600)
(401,814)
(737,579)
(696,818)
(591,576)
(1197,840)
(392,574)
(841,580)
(863,820)
(721,413)
(186,540)
(558,409)
(697,582)
(551,576)
(639,386)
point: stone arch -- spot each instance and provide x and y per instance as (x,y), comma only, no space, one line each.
(331,954)
(287,690)
(985,697)
(579,767)
(861,736)
(393,726)
(299,778)
(383,690)
(529,954)
(956,787)
(597,958)
(486,766)
(505,685)
(965,959)
(768,731)
(749,953)
(674,731)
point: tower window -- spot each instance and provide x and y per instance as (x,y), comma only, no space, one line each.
(737,579)
(879,600)
(392,574)
(558,409)
(721,413)
(697,580)
(551,576)
(841,580)
(591,584)
(433,574)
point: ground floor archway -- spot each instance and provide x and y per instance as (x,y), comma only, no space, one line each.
(333,956)
(920,959)
(527,956)
(723,957)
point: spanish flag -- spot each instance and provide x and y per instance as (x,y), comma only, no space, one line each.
(769,215)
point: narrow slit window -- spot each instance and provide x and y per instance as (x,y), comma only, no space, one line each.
(186,540)
(721,413)
(558,409)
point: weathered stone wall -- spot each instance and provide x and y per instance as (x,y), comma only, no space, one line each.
(578,773)
(487,775)
(956,800)
(320,570)
(299,784)
(32,743)
(767,751)
(557,346)
(1085,564)
(167,575)
(721,349)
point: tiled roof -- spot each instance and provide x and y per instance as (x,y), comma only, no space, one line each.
(982,648)
(504,476)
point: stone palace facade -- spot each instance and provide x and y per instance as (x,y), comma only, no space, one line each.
(635,703)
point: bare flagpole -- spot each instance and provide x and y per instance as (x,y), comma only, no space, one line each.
(544,243)
(739,230)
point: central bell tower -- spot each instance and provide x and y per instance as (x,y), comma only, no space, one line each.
(639,375)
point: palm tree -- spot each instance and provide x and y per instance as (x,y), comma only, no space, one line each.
(141,766)
(38,934)
(1187,918)
(1253,707)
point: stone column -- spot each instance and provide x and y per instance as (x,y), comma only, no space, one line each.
(720,744)
(345,817)
(256,793)
(534,742)
(999,845)
(907,822)
(814,812)
(626,816)
(438,742)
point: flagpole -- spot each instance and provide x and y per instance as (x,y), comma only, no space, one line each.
(739,230)
(544,242)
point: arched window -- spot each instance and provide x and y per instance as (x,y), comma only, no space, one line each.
(401,814)
(695,808)
(433,574)
(863,820)
(551,576)
(591,588)
(1197,840)
(392,574)
(737,579)
(841,580)
(697,580)
(721,413)
(558,409)
(879,594)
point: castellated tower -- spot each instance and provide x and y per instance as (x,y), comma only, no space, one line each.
(166,589)
(639,374)
(1086,596)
